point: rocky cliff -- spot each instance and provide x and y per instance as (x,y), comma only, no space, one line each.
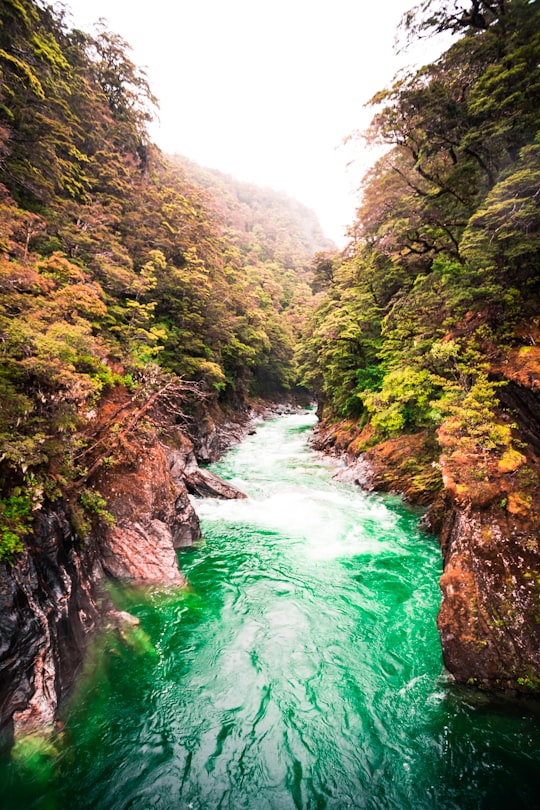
(485,505)
(51,600)
(53,597)
(490,612)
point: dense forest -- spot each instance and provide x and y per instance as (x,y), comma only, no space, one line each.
(264,222)
(424,344)
(120,266)
(128,278)
(436,297)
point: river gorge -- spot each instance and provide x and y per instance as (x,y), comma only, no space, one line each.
(299,668)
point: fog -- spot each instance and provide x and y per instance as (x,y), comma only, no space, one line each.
(266,91)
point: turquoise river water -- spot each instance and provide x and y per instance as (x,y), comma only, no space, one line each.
(300,668)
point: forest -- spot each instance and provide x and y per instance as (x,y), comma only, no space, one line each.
(119,265)
(424,322)
(123,269)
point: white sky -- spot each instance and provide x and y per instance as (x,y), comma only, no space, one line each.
(265,90)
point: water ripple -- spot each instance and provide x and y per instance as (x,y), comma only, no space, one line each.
(301,668)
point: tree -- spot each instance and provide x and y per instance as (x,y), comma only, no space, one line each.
(443,266)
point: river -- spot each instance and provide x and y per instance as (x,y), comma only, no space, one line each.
(300,668)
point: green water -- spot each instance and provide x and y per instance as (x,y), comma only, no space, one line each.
(301,668)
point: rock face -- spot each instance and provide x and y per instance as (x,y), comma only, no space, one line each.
(486,507)
(186,473)
(207,485)
(489,619)
(51,600)
(215,432)
(490,612)
(152,517)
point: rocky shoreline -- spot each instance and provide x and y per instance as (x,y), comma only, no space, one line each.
(489,620)
(53,596)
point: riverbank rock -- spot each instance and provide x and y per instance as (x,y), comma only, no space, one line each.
(489,621)
(485,504)
(187,474)
(151,515)
(216,430)
(51,600)
(52,596)
(406,465)
(207,485)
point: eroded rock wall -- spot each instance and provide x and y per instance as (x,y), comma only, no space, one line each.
(489,619)
(485,506)
(52,597)
(152,515)
(50,600)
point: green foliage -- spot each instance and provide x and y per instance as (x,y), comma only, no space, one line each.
(404,401)
(114,259)
(443,266)
(531,682)
(471,421)
(257,303)
(503,234)
(95,506)
(342,341)
(15,523)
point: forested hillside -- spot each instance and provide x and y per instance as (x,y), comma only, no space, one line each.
(424,343)
(135,286)
(264,222)
(442,267)
(116,269)
(277,238)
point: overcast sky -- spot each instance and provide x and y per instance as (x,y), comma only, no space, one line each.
(265,90)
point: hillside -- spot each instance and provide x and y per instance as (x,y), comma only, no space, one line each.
(424,347)
(117,267)
(262,220)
